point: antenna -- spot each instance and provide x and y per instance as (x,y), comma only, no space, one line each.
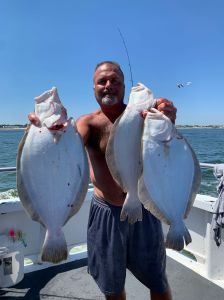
(126,50)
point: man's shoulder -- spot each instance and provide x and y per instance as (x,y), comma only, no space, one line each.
(85,123)
(90,118)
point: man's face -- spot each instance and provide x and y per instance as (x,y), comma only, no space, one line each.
(108,85)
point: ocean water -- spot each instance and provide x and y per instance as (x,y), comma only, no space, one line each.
(208,144)
(9,141)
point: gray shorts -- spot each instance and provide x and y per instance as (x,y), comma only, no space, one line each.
(114,246)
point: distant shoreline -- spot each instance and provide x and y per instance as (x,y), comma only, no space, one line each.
(12,128)
(177,126)
(200,127)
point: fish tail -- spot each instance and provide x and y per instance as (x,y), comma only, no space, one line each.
(178,233)
(54,248)
(131,210)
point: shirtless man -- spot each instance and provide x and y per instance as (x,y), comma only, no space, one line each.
(113,245)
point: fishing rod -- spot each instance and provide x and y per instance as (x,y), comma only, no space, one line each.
(126,50)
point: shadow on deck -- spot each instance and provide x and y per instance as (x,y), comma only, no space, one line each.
(71,281)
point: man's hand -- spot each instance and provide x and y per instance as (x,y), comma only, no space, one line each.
(33,118)
(166,107)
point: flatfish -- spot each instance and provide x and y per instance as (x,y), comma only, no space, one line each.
(124,147)
(52,172)
(171,176)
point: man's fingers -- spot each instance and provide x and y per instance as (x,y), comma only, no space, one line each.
(164,106)
(143,113)
(163,100)
(33,118)
(167,108)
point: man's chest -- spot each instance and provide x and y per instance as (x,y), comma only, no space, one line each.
(99,137)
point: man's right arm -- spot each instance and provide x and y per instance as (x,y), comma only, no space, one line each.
(83,128)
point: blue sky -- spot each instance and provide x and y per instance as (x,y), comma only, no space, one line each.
(49,43)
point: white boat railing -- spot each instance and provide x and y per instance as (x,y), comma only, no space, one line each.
(13,169)
(206,165)
(8,169)
(208,259)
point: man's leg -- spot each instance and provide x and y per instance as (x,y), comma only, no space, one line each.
(106,243)
(164,296)
(121,296)
(147,256)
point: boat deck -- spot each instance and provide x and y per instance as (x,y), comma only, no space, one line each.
(71,281)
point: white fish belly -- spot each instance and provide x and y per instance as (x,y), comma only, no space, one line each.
(124,146)
(52,173)
(168,176)
(123,150)
(123,159)
(169,182)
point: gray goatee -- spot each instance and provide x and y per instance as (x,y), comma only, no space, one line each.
(109,100)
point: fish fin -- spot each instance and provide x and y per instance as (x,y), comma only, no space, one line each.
(21,187)
(131,210)
(54,248)
(178,233)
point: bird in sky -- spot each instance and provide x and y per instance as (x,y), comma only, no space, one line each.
(181,85)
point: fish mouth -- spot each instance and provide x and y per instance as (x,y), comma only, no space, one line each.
(62,126)
(57,127)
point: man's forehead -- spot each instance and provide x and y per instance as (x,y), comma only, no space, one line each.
(107,69)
